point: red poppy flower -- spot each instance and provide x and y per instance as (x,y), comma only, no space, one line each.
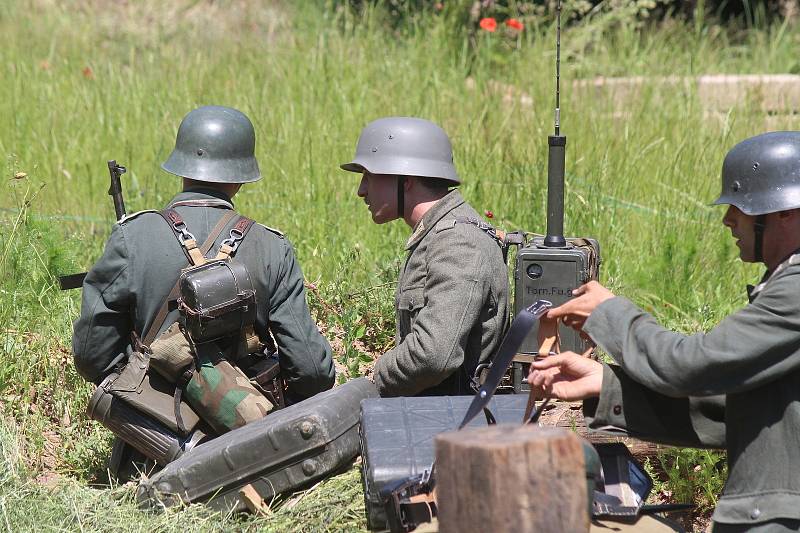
(88,73)
(488,214)
(514,24)
(488,24)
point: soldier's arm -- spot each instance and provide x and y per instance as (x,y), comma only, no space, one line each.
(454,294)
(628,407)
(101,333)
(748,349)
(305,355)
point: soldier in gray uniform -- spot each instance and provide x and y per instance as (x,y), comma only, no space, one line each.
(736,386)
(452,293)
(124,290)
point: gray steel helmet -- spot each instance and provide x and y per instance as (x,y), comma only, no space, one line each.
(215,144)
(761,174)
(404,146)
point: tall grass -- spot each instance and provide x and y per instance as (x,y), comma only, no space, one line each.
(87,81)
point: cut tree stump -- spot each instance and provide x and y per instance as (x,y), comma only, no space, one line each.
(506,478)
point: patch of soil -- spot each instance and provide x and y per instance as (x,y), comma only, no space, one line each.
(50,462)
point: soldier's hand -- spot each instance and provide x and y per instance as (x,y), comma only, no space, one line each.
(566,376)
(586,299)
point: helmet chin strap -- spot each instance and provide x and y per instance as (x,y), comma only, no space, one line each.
(401,192)
(758,241)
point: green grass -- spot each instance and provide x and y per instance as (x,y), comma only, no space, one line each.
(88,81)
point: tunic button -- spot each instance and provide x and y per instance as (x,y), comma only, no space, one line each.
(756,513)
(617,409)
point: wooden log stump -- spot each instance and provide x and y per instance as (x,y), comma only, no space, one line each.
(511,478)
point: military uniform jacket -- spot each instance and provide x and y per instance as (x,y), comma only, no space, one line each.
(737,386)
(141,262)
(451,305)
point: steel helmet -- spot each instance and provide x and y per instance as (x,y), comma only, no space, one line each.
(761,174)
(404,146)
(215,144)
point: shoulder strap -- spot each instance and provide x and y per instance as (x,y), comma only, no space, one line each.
(187,240)
(237,233)
(164,309)
(484,227)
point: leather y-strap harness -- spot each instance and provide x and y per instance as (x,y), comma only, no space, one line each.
(196,255)
(189,244)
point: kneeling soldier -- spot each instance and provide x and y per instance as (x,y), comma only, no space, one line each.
(144,338)
(452,294)
(736,386)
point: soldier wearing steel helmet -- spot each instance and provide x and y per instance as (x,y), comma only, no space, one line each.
(452,292)
(124,290)
(736,386)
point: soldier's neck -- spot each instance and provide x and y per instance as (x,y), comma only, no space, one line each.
(420,200)
(418,211)
(228,189)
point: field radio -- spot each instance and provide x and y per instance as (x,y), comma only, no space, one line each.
(551,267)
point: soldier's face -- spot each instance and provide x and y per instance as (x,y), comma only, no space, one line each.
(379,192)
(741,226)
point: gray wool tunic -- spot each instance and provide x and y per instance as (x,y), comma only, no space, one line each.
(451,305)
(737,387)
(142,260)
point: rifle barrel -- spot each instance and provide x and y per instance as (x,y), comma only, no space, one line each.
(74,281)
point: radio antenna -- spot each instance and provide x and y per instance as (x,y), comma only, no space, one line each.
(556,156)
(558,67)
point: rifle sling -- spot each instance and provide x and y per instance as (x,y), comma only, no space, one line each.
(150,336)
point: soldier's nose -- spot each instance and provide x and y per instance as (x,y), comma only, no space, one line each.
(362,188)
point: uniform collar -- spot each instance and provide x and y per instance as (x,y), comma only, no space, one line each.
(793,259)
(447,203)
(203,197)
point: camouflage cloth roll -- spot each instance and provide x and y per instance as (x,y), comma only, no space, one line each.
(221,394)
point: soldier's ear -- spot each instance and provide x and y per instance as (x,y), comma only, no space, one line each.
(788,221)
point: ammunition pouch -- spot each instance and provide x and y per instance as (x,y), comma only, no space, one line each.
(265,373)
